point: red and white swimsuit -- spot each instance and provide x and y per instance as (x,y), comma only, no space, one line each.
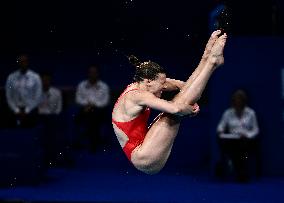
(135,129)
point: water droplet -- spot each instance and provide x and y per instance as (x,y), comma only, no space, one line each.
(187,36)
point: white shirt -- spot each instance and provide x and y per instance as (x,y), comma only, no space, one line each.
(246,125)
(97,94)
(23,90)
(51,102)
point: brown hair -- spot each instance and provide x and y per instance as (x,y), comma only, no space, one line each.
(145,70)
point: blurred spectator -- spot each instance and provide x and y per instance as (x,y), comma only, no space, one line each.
(51,99)
(237,132)
(23,92)
(49,109)
(92,96)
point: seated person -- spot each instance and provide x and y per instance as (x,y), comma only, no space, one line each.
(237,131)
(51,98)
(49,110)
(93,97)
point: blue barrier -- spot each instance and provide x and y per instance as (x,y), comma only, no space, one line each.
(20,156)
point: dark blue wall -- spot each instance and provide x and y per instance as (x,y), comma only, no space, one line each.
(253,64)
(250,63)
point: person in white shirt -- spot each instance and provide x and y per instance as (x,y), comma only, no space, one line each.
(51,98)
(49,111)
(23,92)
(237,132)
(92,96)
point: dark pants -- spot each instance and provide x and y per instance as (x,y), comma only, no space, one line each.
(90,124)
(239,152)
(13,120)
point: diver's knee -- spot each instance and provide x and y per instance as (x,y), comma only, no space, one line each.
(146,164)
(151,171)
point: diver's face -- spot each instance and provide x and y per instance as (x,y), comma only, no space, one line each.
(156,86)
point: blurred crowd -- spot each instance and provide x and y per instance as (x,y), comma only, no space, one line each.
(32,101)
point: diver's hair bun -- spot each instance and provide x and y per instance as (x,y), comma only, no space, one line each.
(134,61)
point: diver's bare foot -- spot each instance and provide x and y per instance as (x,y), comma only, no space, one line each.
(216,56)
(210,43)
